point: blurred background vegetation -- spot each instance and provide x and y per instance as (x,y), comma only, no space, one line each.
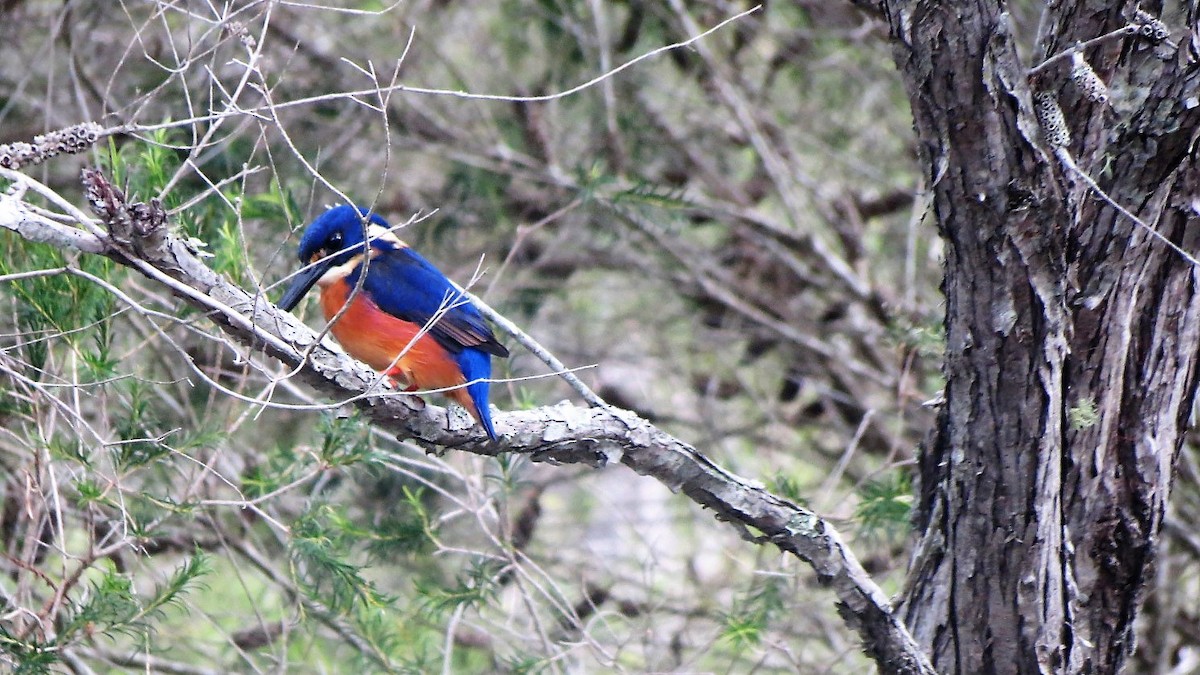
(732,233)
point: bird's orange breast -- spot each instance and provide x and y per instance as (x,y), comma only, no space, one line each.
(375,337)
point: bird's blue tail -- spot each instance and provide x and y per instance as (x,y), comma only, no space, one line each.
(477,365)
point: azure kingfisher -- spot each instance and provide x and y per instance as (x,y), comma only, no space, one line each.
(407,320)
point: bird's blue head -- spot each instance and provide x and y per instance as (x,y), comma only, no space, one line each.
(338,232)
(334,238)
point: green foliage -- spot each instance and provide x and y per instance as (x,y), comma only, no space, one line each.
(378,627)
(754,613)
(508,476)
(928,339)
(473,587)
(88,491)
(60,306)
(885,504)
(110,608)
(522,664)
(1083,414)
(789,488)
(275,204)
(406,528)
(111,605)
(345,440)
(524,398)
(142,169)
(321,539)
(67,447)
(217,232)
(11,405)
(228,256)
(649,194)
(279,466)
(29,657)
(145,169)
(138,429)
(593,181)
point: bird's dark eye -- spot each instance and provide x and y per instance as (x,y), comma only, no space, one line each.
(335,243)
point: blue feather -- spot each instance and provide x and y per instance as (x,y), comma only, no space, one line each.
(405,285)
(477,365)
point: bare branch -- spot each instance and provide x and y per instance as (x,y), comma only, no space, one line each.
(18,216)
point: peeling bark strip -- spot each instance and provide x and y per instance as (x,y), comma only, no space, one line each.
(562,433)
(1037,522)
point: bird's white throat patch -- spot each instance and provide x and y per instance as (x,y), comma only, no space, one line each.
(377,233)
(339,272)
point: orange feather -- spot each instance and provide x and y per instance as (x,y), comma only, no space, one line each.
(375,337)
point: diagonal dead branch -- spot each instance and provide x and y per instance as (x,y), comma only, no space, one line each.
(562,433)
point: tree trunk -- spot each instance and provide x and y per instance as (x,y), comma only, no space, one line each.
(1071,329)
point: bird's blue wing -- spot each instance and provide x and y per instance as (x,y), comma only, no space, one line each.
(409,287)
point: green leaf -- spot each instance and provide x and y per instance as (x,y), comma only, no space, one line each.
(322,540)
(344,440)
(885,504)
(745,625)
(475,586)
(1083,414)
(112,606)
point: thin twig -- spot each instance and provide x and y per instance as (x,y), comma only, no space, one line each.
(455,93)
(1064,156)
(543,354)
(1082,46)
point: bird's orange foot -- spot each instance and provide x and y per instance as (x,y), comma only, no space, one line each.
(401,382)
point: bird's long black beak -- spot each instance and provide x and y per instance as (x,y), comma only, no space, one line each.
(302,282)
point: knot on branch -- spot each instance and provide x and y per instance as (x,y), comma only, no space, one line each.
(588,452)
(69,140)
(139,225)
(241,32)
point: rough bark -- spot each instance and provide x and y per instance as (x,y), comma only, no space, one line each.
(1071,330)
